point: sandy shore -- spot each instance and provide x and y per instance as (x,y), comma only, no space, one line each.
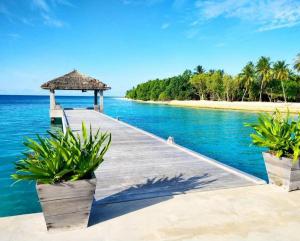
(235,105)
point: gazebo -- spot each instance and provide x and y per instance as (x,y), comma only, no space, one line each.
(76,81)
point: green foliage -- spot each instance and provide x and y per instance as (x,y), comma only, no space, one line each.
(199,81)
(63,157)
(131,94)
(199,69)
(297,63)
(292,90)
(280,134)
(174,88)
(281,73)
(247,77)
(264,72)
(163,97)
(215,85)
(262,81)
(230,89)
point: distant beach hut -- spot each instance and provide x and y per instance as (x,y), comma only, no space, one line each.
(76,81)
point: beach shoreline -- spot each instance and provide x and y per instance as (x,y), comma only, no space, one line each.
(291,107)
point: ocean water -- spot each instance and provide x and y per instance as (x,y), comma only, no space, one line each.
(218,134)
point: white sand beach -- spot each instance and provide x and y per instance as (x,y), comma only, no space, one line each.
(292,107)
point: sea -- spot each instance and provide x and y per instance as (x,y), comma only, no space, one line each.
(218,134)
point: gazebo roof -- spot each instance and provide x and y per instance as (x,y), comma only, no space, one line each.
(75,81)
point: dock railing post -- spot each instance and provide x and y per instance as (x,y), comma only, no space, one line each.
(170,140)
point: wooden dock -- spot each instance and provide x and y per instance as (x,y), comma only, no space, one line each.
(140,165)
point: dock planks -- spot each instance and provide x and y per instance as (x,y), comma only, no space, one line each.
(140,165)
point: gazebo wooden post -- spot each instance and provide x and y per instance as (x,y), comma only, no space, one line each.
(52,100)
(101,101)
(96,106)
(52,105)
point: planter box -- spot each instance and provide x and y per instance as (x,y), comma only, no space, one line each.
(282,171)
(67,204)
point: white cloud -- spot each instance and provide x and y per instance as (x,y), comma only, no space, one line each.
(141,2)
(14,35)
(26,21)
(5,12)
(178,4)
(220,45)
(62,2)
(41,4)
(267,14)
(165,25)
(194,23)
(45,8)
(50,21)
(191,33)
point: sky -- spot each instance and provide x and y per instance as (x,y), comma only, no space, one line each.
(126,42)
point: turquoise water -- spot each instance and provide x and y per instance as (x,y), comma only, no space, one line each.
(217,134)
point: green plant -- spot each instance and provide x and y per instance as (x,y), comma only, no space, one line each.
(63,156)
(247,77)
(281,73)
(280,134)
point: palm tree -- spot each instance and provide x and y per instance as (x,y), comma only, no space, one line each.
(211,71)
(247,76)
(281,73)
(199,69)
(297,63)
(263,68)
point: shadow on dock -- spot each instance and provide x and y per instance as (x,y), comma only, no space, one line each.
(136,197)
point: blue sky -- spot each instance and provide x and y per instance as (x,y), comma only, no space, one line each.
(125,42)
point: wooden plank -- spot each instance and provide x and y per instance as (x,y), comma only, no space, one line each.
(65,190)
(68,221)
(139,165)
(65,206)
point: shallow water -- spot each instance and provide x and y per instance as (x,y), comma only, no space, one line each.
(218,134)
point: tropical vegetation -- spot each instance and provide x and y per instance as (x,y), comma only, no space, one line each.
(264,80)
(280,134)
(62,156)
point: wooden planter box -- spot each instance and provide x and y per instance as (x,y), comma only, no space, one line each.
(282,171)
(67,204)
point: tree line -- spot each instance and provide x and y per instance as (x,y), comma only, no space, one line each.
(261,81)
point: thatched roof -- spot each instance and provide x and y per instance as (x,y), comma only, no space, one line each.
(75,81)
